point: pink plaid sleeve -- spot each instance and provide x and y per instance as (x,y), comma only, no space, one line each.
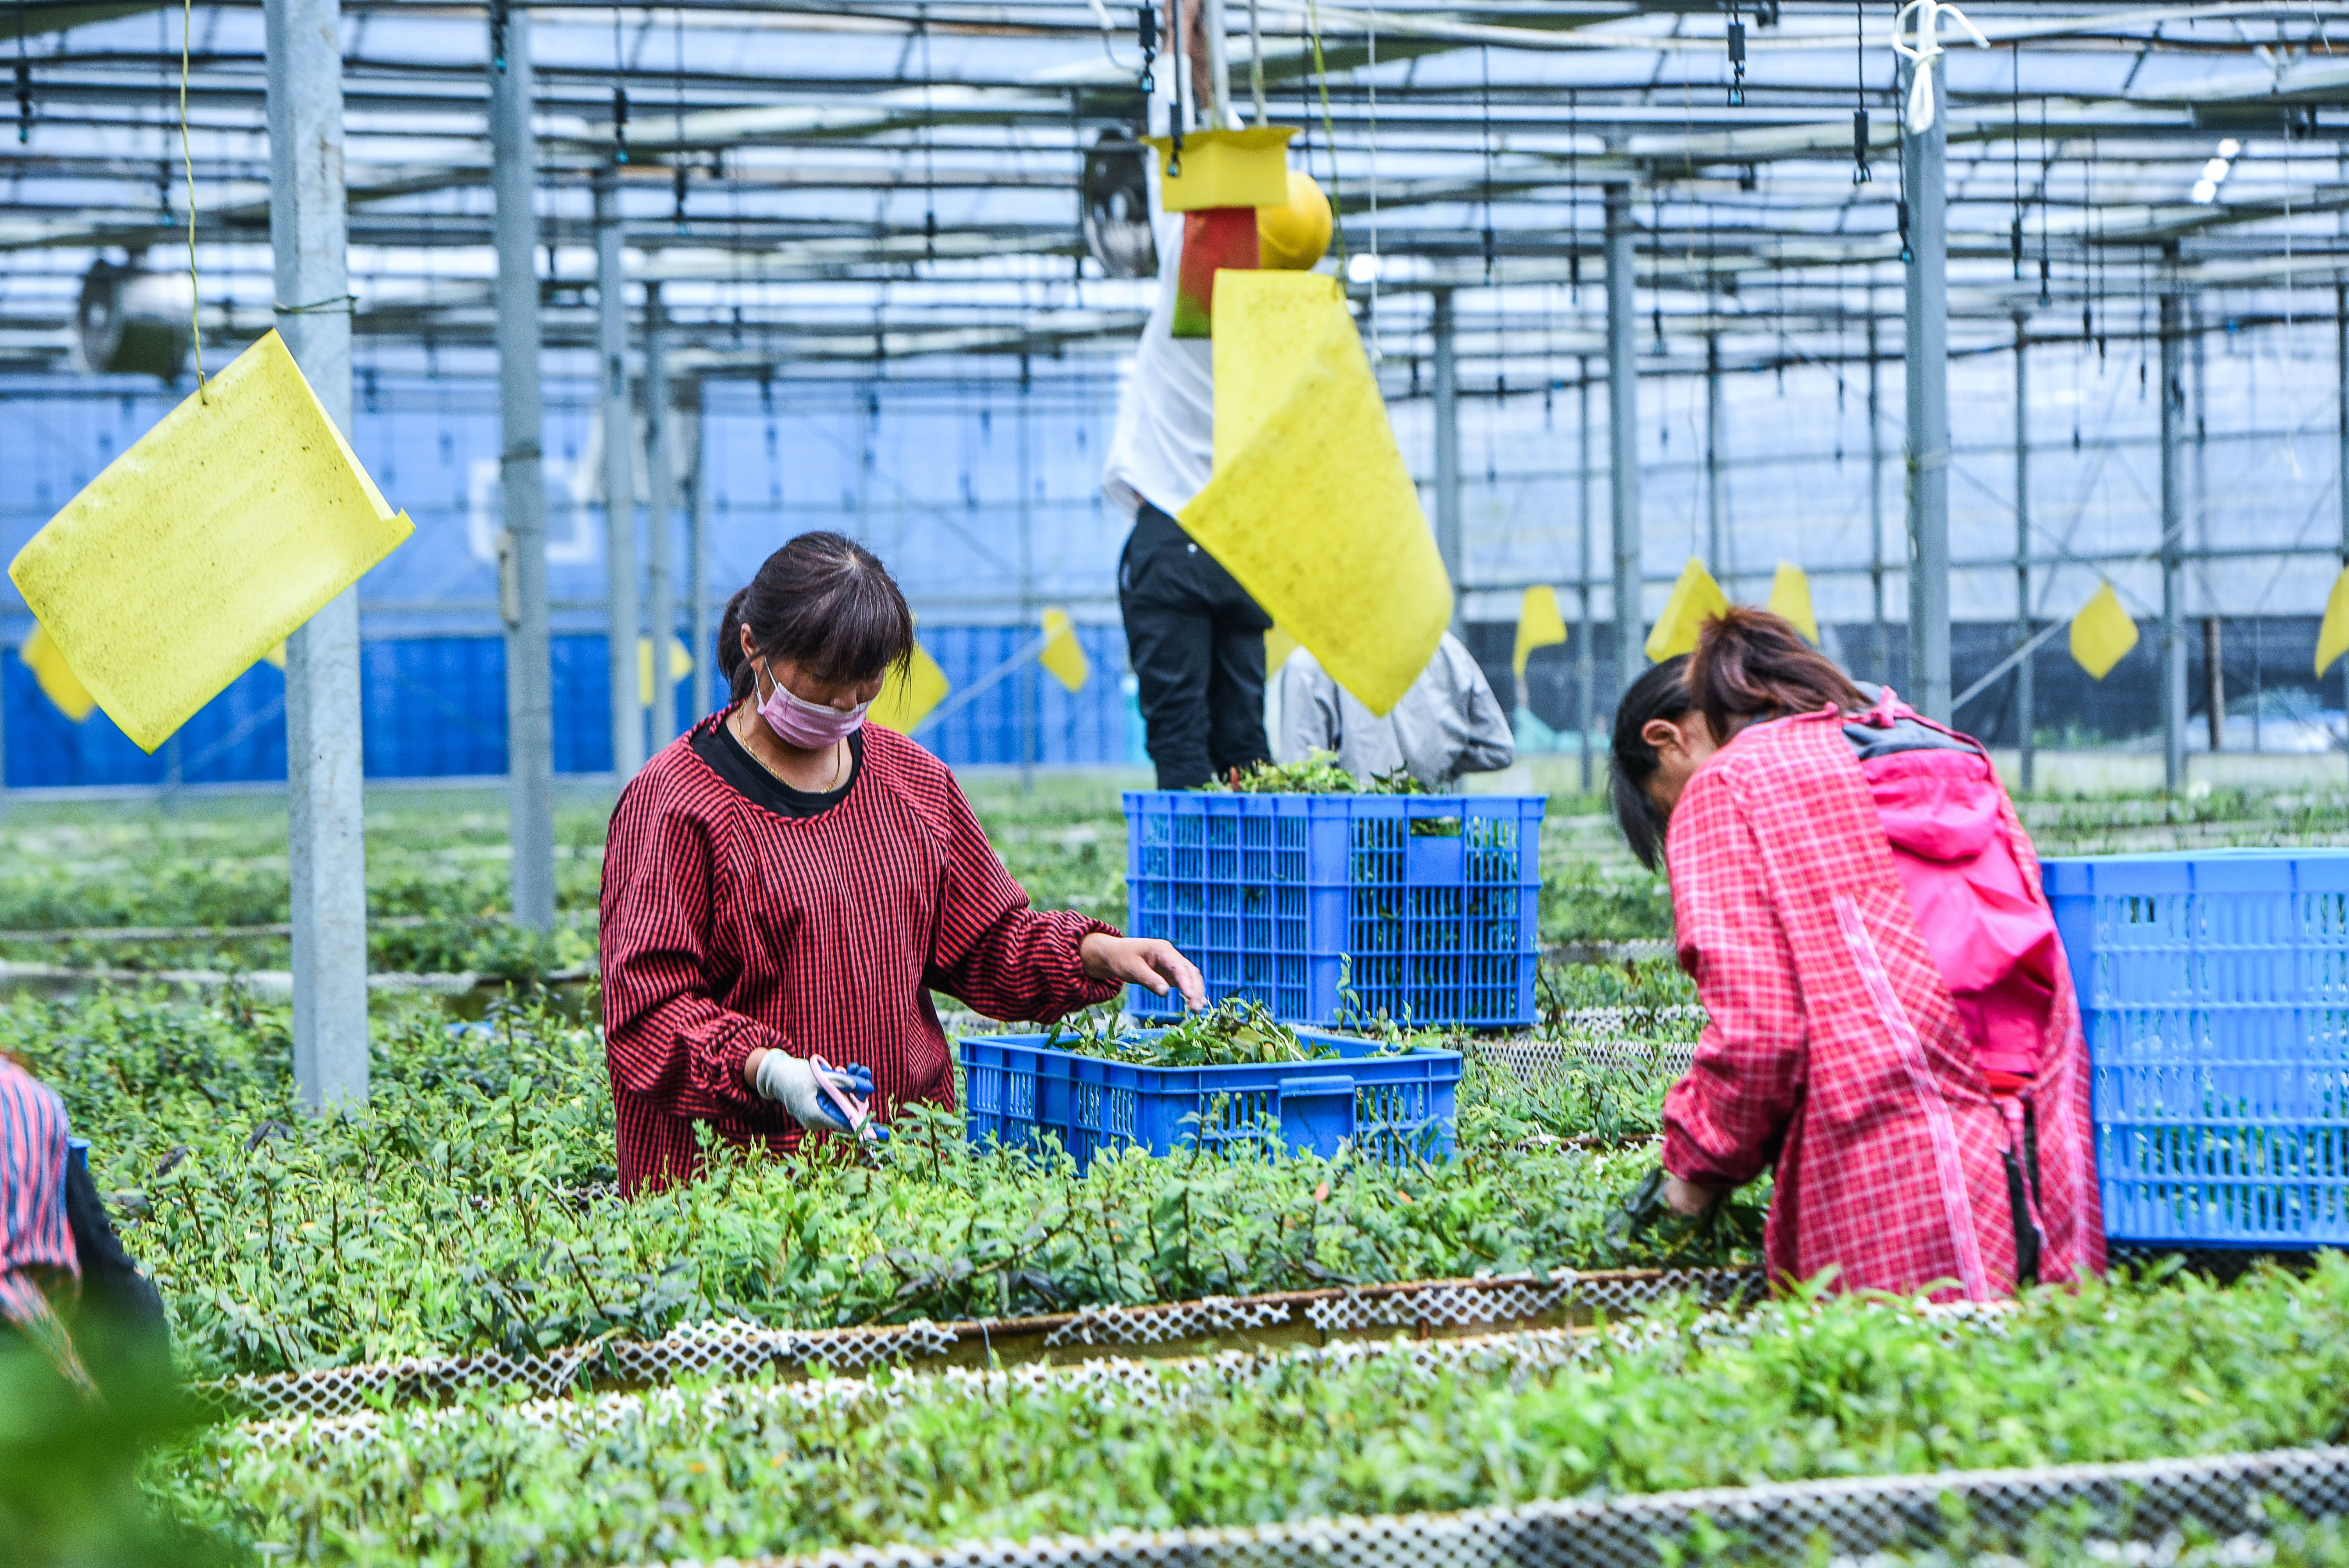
(1723,1120)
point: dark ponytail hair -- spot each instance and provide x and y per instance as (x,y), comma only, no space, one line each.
(824,604)
(1752,665)
(1662,693)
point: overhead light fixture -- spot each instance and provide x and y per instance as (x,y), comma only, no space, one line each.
(2216,169)
(2206,190)
(1361,267)
(2228,147)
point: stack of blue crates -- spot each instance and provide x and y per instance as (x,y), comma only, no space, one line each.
(2214,988)
(1331,908)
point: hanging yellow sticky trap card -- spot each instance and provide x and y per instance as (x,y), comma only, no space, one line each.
(217,533)
(1790,597)
(1696,599)
(1278,646)
(1246,168)
(907,695)
(1063,655)
(1310,506)
(2333,635)
(680,665)
(57,681)
(2102,633)
(1540,623)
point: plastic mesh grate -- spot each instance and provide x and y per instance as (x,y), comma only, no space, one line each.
(2233,1497)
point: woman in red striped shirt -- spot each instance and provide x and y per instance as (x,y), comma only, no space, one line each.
(784,885)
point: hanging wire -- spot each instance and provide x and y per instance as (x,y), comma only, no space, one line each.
(1574,202)
(1372,81)
(2014,236)
(23,79)
(678,156)
(930,139)
(1328,133)
(620,91)
(1735,38)
(1486,54)
(1256,64)
(2046,179)
(1860,174)
(188,157)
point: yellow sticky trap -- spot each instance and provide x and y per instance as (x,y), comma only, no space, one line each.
(219,531)
(680,665)
(1540,623)
(1224,168)
(2333,637)
(2102,633)
(1790,598)
(1278,646)
(1063,655)
(1310,506)
(1696,599)
(907,698)
(57,681)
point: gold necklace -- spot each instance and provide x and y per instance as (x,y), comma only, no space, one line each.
(839,766)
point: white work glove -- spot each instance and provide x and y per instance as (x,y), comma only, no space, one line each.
(792,1083)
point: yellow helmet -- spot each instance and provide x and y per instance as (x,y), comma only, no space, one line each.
(1294,236)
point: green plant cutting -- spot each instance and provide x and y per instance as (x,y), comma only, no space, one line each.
(468,1208)
(1808,1387)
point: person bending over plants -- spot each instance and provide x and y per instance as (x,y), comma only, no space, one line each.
(784,885)
(1891,1018)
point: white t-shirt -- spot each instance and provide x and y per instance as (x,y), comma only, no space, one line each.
(1164,446)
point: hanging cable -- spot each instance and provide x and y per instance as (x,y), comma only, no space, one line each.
(188,157)
(678,131)
(1860,174)
(930,140)
(1486,54)
(1574,200)
(2046,176)
(619,87)
(1736,42)
(24,80)
(1329,135)
(2014,236)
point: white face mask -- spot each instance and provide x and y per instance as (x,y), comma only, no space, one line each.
(810,726)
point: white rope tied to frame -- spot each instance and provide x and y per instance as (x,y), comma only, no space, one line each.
(1923,52)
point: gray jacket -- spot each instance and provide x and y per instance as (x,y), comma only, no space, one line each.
(1447,724)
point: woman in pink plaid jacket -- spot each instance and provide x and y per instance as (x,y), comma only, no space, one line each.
(1891,1026)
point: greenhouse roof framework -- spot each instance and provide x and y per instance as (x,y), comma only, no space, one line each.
(879,182)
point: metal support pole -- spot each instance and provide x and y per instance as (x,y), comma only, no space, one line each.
(1927,369)
(1585,648)
(2214,683)
(660,520)
(1623,439)
(621,619)
(529,702)
(1447,442)
(1219,69)
(697,571)
(2173,563)
(326,801)
(1716,533)
(1883,645)
(1030,693)
(2024,709)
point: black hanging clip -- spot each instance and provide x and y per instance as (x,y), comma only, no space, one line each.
(1860,173)
(1900,212)
(1736,60)
(1145,31)
(619,123)
(498,36)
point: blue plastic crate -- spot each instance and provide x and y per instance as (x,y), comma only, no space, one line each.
(1395,1107)
(1276,898)
(2214,987)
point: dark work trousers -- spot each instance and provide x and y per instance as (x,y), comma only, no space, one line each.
(1197,640)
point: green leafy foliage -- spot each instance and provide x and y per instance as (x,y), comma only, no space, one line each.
(1232,1033)
(1805,1388)
(1317,775)
(460,1211)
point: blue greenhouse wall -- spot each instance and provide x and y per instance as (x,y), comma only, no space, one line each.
(435,708)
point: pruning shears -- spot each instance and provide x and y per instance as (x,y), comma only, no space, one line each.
(856,1110)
